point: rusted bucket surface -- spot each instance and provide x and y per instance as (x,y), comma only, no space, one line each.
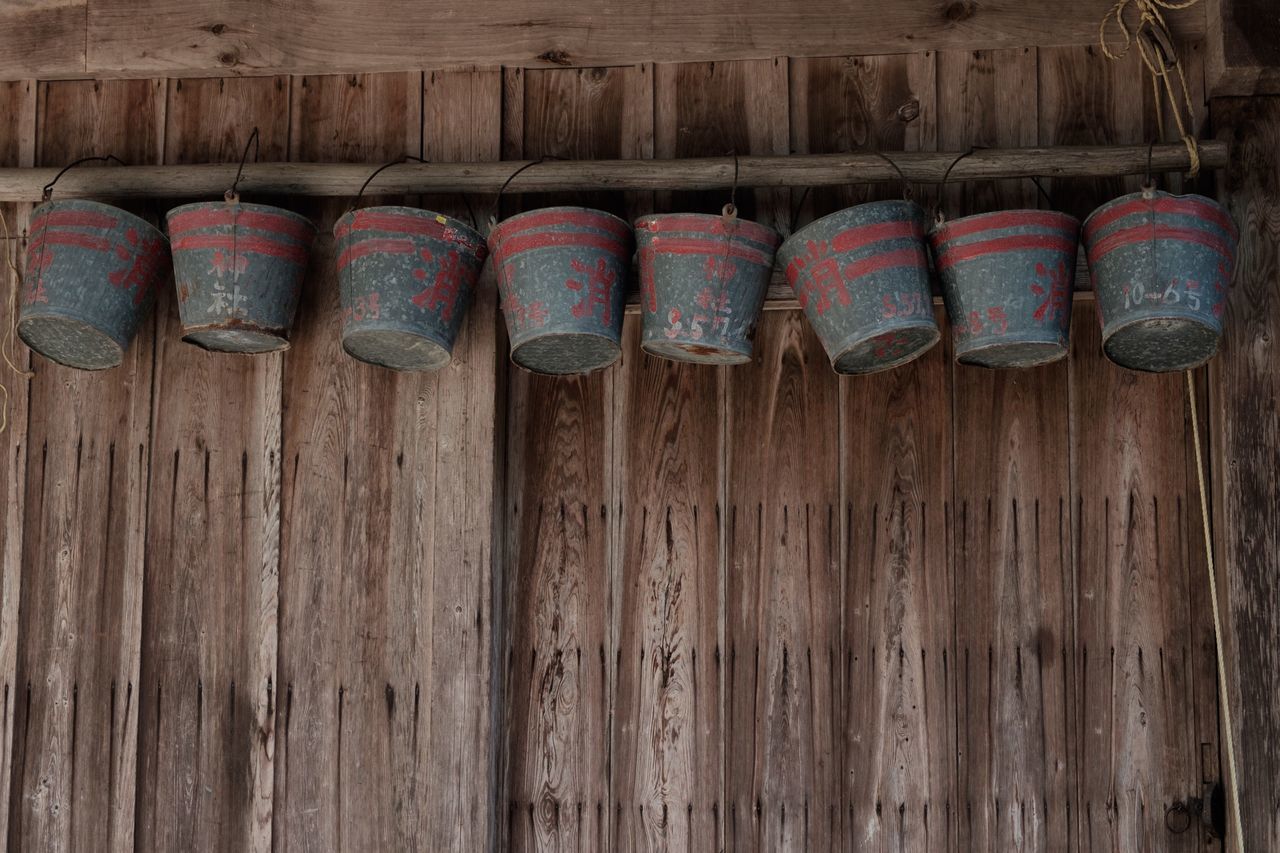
(238,269)
(1007,279)
(1161,265)
(703,280)
(406,278)
(562,272)
(92,273)
(862,277)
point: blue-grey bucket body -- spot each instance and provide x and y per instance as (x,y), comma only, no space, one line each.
(703,280)
(862,277)
(238,269)
(562,273)
(1161,266)
(92,274)
(1007,281)
(406,278)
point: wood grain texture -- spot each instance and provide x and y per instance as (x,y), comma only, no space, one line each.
(75,730)
(207,727)
(46,37)
(1246,452)
(1243,57)
(1137,656)
(1015,596)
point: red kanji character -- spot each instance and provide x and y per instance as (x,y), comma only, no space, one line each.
(823,278)
(443,292)
(648,289)
(719,269)
(999,321)
(35,283)
(143,261)
(1057,293)
(597,290)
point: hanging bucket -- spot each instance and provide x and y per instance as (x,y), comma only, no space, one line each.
(561,276)
(1007,281)
(406,278)
(702,281)
(862,277)
(1161,265)
(238,269)
(92,274)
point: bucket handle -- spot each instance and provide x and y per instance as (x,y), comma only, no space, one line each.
(939,217)
(47,192)
(907,192)
(466,200)
(497,202)
(232,195)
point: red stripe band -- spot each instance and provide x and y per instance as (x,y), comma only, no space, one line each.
(949,256)
(710,248)
(68,238)
(512,246)
(1058,222)
(709,225)
(193,220)
(405,224)
(1166,205)
(241,244)
(912,258)
(364,248)
(574,218)
(1130,236)
(75,219)
(865,235)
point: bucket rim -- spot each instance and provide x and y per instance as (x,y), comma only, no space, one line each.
(68,315)
(722,355)
(965,357)
(858,338)
(771,234)
(407,210)
(1128,197)
(1198,319)
(132,218)
(247,205)
(906,203)
(447,351)
(614,343)
(936,231)
(557,208)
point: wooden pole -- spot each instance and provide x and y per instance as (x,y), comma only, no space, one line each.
(797,170)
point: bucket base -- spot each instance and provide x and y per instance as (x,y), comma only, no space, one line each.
(1162,345)
(396,350)
(71,342)
(568,353)
(1015,355)
(236,340)
(694,353)
(886,350)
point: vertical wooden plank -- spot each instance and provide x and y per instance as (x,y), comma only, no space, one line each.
(207,727)
(356,570)
(561,514)
(1138,641)
(79,619)
(17,148)
(1246,454)
(1012,546)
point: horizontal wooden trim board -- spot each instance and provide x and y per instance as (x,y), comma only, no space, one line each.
(697,173)
(780,296)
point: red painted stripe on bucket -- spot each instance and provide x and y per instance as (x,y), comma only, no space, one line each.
(75,219)
(70,238)
(1144,234)
(952,255)
(912,258)
(865,235)
(1184,206)
(576,218)
(512,246)
(711,225)
(387,246)
(243,243)
(1008,219)
(192,220)
(417,225)
(712,248)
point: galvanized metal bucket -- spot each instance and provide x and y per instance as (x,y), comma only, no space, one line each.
(1161,265)
(703,280)
(862,278)
(1007,282)
(92,274)
(406,278)
(562,272)
(238,269)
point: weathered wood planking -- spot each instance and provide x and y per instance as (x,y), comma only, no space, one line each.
(357,605)
(207,723)
(17,145)
(1243,52)
(562,517)
(1137,654)
(75,729)
(46,37)
(1246,455)
(1014,600)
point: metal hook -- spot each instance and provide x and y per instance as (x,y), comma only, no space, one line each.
(938,216)
(47,192)
(233,194)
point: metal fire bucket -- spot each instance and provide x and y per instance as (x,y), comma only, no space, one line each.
(406,278)
(92,273)
(1007,282)
(702,280)
(1161,265)
(238,269)
(862,278)
(562,272)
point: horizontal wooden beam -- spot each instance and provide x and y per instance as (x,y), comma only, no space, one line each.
(796,170)
(104,38)
(1243,41)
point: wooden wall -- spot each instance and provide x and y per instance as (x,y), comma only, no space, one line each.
(296,602)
